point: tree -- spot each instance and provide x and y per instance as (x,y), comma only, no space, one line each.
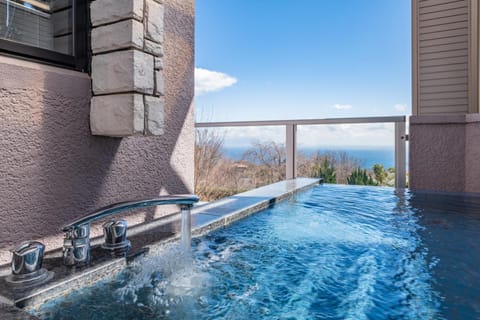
(360,177)
(270,159)
(325,170)
(341,162)
(380,173)
(344,164)
(208,153)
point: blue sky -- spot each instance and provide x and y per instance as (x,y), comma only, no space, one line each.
(278,59)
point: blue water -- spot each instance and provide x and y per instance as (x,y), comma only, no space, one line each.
(334,252)
(368,156)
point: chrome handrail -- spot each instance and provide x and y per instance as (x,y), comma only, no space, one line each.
(187,199)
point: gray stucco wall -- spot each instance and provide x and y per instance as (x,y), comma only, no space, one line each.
(445,153)
(437,155)
(52,169)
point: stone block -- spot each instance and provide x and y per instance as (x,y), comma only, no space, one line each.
(120,35)
(158,63)
(117,115)
(108,11)
(154,15)
(159,83)
(122,71)
(154,113)
(154,48)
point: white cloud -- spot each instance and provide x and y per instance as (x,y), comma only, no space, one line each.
(343,106)
(210,81)
(400,107)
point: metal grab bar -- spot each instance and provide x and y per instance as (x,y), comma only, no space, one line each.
(76,243)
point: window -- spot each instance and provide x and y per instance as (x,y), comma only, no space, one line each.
(54,31)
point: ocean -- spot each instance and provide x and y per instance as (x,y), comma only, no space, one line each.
(368,156)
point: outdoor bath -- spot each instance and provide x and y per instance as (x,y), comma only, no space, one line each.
(327,252)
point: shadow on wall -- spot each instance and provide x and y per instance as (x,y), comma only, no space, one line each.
(53,170)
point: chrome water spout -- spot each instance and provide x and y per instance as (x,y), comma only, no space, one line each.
(76,244)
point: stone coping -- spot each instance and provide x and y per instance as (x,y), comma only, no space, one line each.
(205,218)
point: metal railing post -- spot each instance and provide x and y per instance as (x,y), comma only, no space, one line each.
(400,155)
(291,151)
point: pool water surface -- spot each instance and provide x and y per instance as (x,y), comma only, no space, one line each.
(332,252)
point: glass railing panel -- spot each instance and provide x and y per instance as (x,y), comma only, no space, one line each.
(237,159)
(249,154)
(347,153)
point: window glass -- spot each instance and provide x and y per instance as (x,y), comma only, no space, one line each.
(45,24)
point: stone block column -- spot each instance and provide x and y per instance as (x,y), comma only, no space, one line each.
(127,73)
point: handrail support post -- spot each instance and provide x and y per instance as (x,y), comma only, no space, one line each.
(291,151)
(400,155)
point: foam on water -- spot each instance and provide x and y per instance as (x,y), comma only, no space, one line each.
(171,272)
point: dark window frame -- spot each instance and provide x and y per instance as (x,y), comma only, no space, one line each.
(77,61)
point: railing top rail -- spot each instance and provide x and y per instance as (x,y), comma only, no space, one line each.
(301,122)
